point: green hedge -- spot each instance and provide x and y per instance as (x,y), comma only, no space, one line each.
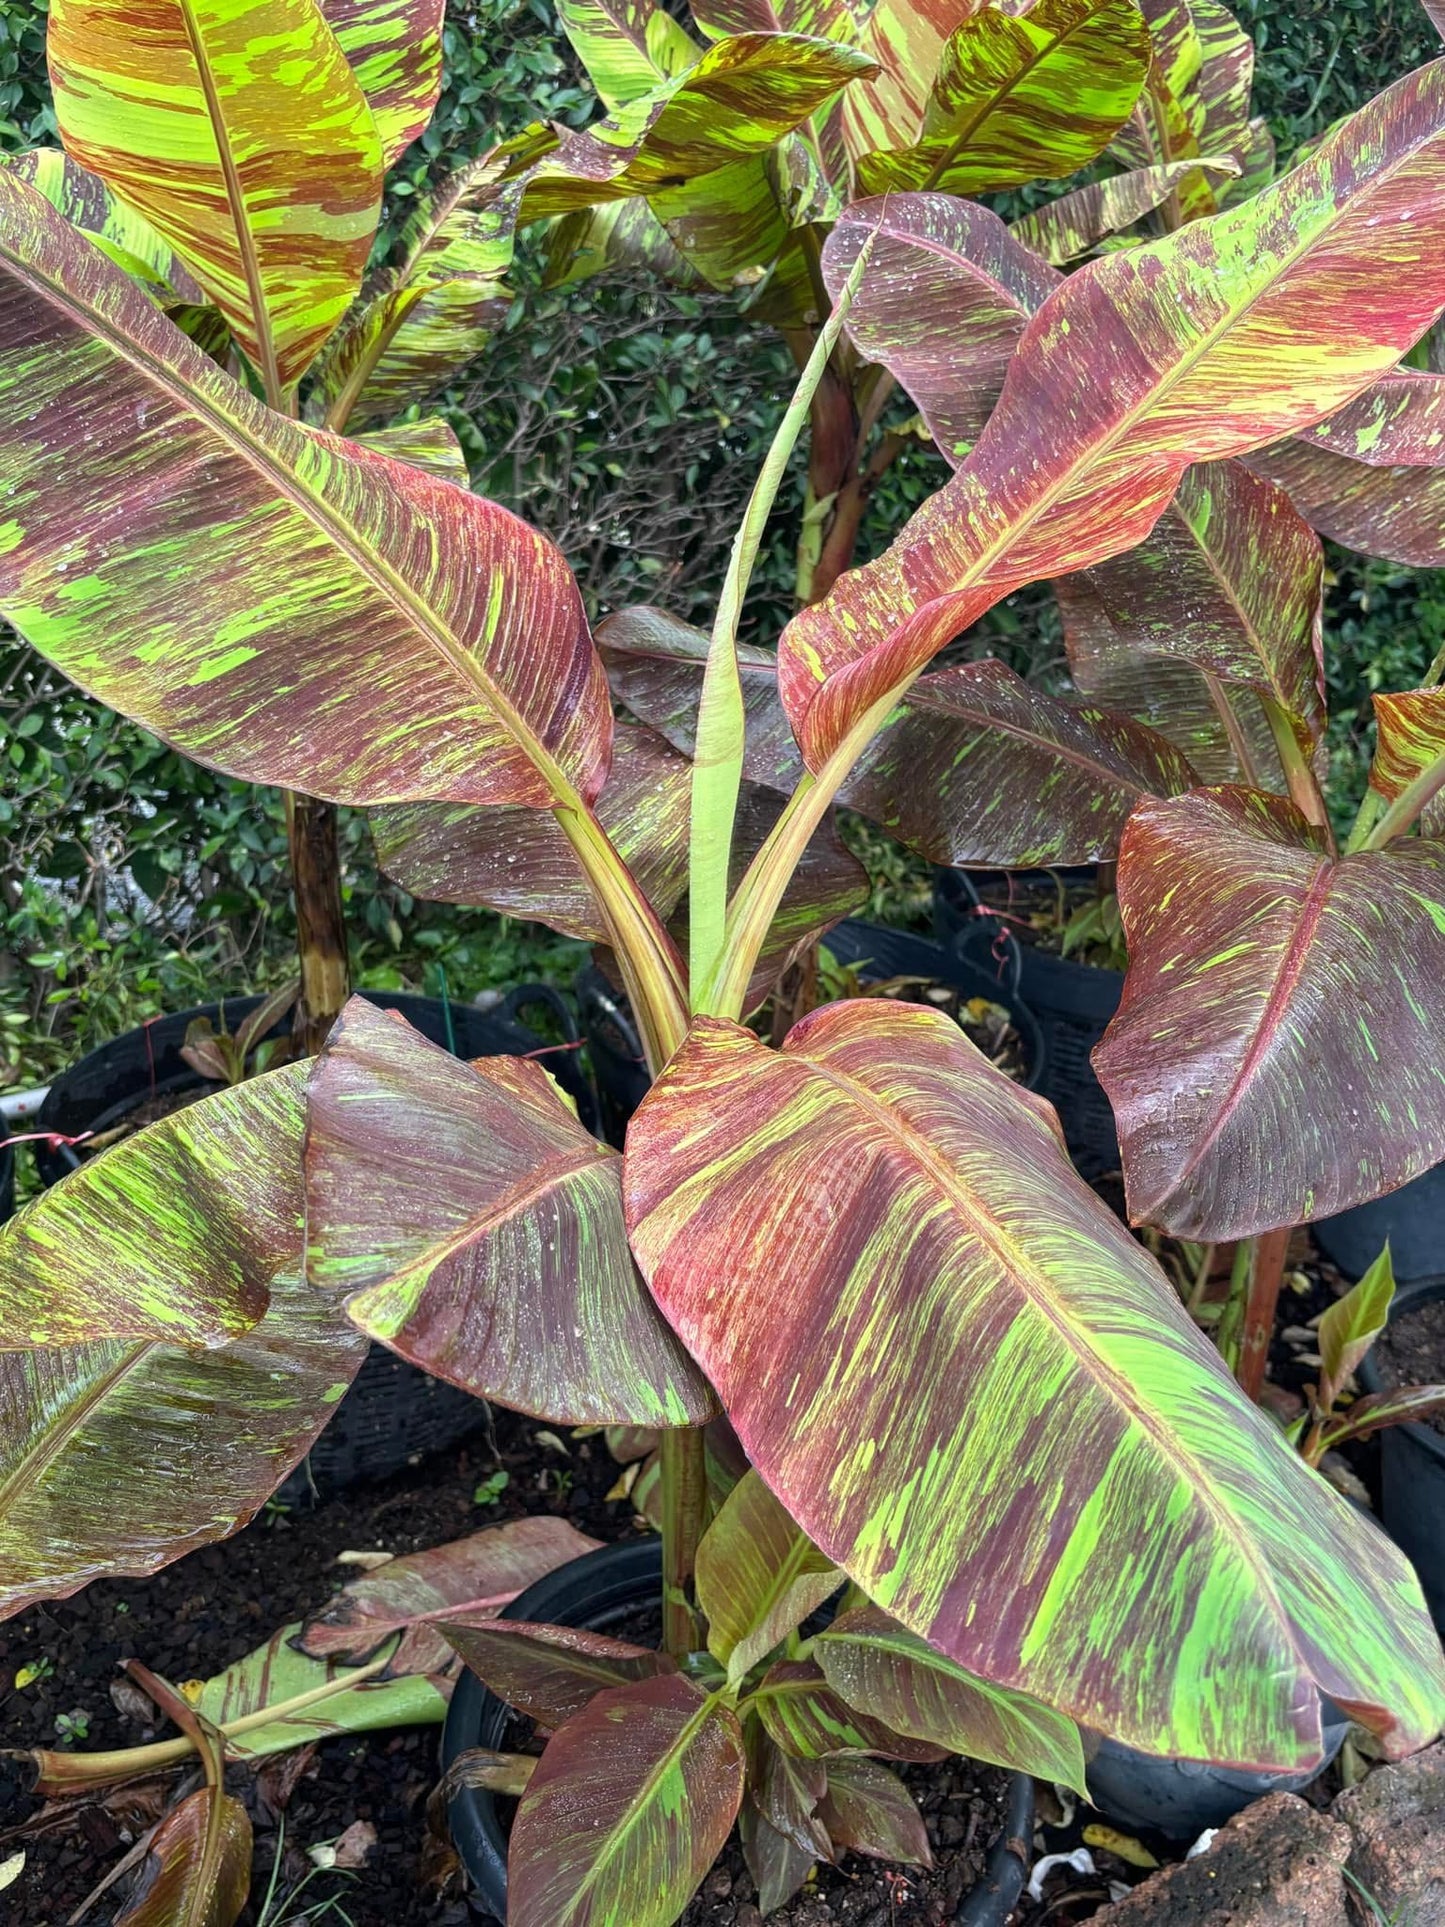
(626,422)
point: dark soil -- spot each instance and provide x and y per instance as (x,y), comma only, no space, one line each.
(210,1609)
(1411,1351)
(1037,910)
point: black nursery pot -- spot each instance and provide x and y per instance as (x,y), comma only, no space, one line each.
(393,1413)
(875,951)
(595,1593)
(1412,1218)
(1072,1002)
(1412,1471)
(1180,1798)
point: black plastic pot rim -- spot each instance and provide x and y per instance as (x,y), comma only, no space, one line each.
(634,1567)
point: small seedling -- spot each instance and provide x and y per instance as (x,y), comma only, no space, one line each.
(490,1491)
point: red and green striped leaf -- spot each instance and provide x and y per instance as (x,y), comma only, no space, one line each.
(735,104)
(1410,752)
(394,47)
(778,1865)
(1140,364)
(914,1311)
(802,1714)
(868,1809)
(125,236)
(1399,423)
(1021,97)
(430,445)
(1220,727)
(1275,1058)
(117,1457)
(787,1789)
(758,1577)
(1351,1325)
(550,1672)
(418,1595)
(942,305)
(175,1233)
(975,768)
(1397,513)
(237,128)
(470,1223)
(629,1808)
(907,39)
(1230,581)
(870,1660)
(627,46)
(359,631)
(1076,223)
(519,861)
(440,305)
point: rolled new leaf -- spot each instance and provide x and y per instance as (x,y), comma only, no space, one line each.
(465,1218)
(1142,363)
(913,1310)
(1276,1055)
(116,1457)
(175,1233)
(426,643)
(237,128)
(629,1808)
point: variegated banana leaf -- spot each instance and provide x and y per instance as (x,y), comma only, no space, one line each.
(1400,422)
(88,204)
(1395,513)
(237,128)
(874,1243)
(173,1234)
(1220,728)
(778,1865)
(519,862)
(870,1660)
(359,631)
(907,39)
(944,300)
(1276,1056)
(1409,758)
(830,19)
(1139,364)
(116,1457)
(431,446)
(438,307)
(1230,581)
(787,1790)
(805,1716)
(630,1806)
(549,1673)
(758,1577)
(275,1676)
(510,1276)
(868,1809)
(1075,223)
(629,47)
(739,100)
(394,47)
(620,234)
(1021,97)
(977,767)
(418,1594)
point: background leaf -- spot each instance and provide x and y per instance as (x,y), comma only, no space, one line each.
(551,1672)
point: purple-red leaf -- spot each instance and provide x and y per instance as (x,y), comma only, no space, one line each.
(1276,1055)
(803,1715)
(914,1311)
(778,1865)
(943,301)
(1400,422)
(629,1808)
(416,1595)
(1395,513)
(197,1868)
(1410,752)
(868,1809)
(468,1221)
(550,1672)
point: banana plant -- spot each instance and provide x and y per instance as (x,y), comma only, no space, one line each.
(970,1401)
